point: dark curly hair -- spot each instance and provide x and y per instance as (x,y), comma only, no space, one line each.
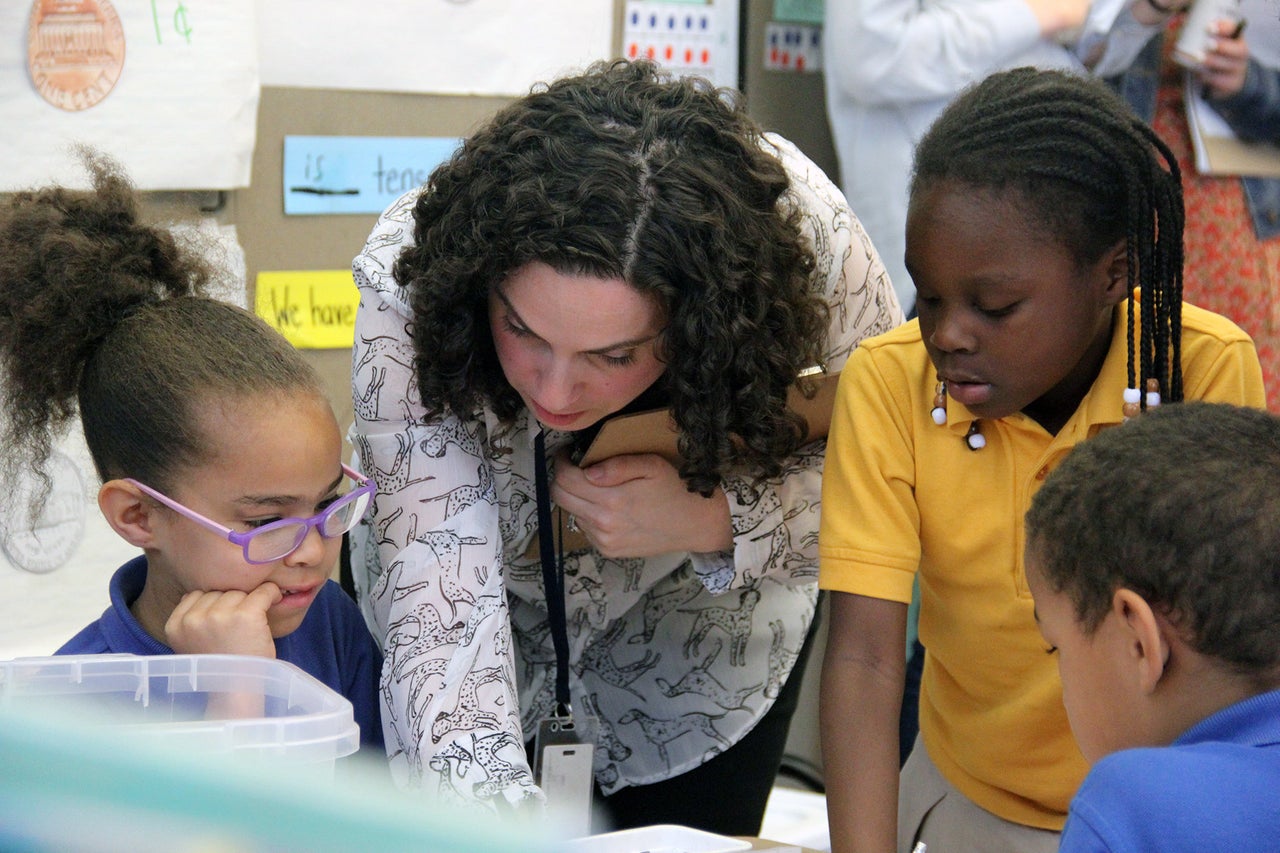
(1182,506)
(104,315)
(625,172)
(1091,173)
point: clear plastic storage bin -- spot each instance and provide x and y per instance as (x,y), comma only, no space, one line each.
(121,753)
(248,706)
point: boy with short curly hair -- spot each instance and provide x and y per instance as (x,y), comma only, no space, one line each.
(1153,554)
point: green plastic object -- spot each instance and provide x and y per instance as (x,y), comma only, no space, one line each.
(82,779)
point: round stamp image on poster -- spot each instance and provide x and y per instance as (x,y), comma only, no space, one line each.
(75,51)
(48,541)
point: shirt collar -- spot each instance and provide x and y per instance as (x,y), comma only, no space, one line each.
(1254,721)
(119,626)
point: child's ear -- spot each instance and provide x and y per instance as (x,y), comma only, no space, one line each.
(1116,260)
(1145,641)
(128,511)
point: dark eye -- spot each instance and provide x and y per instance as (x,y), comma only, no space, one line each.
(255,523)
(518,331)
(619,360)
(998,313)
(1051,650)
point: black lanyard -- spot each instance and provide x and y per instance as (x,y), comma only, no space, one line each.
(552,576)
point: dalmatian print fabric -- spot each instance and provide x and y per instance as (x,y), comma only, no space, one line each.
(677,656)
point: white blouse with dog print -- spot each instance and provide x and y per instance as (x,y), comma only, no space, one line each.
(676,656)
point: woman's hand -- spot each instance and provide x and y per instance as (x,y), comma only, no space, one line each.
(1226,60)
(637,506)
(226,622)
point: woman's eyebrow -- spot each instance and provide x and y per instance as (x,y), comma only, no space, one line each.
(628,344)
(631,344)
(512,309)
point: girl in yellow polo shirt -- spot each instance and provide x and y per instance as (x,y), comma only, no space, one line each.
(1044,237)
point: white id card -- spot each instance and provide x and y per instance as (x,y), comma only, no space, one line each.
(563,759)
(566,780)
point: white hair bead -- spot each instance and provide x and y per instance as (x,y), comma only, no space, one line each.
(974,437)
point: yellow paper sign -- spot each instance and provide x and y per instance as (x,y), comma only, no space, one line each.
(313,309)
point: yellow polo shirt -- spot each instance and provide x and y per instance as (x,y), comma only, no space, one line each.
(901,494)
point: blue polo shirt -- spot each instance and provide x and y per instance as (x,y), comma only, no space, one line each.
(1213,790)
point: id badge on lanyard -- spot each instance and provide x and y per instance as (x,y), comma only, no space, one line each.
(564,754)
(564,748)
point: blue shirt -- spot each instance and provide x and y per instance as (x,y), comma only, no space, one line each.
(1216,789)
(332,644)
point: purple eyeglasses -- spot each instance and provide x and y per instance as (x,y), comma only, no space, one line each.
(279,539)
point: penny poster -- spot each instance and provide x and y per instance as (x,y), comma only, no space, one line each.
(167,87)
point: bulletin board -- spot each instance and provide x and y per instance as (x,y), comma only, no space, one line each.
(274,241)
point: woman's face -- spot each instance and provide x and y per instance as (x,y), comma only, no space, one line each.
(575,348)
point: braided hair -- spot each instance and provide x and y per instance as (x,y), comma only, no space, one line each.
(1090,171)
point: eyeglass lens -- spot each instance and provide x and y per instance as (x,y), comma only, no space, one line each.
(281,539)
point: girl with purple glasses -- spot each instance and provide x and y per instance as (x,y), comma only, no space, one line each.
(218,451)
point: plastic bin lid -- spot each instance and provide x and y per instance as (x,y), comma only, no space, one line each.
(214,703)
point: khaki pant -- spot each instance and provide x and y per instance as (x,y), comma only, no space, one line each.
(933,811)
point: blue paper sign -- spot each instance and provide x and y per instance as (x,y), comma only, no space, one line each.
(357,174)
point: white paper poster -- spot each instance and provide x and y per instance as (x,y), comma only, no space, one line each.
(167,87)
(452,47)
(686,38)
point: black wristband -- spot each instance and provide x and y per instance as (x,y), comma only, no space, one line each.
(1163,10)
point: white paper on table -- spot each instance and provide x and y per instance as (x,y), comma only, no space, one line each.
(182,115)
(454,47)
